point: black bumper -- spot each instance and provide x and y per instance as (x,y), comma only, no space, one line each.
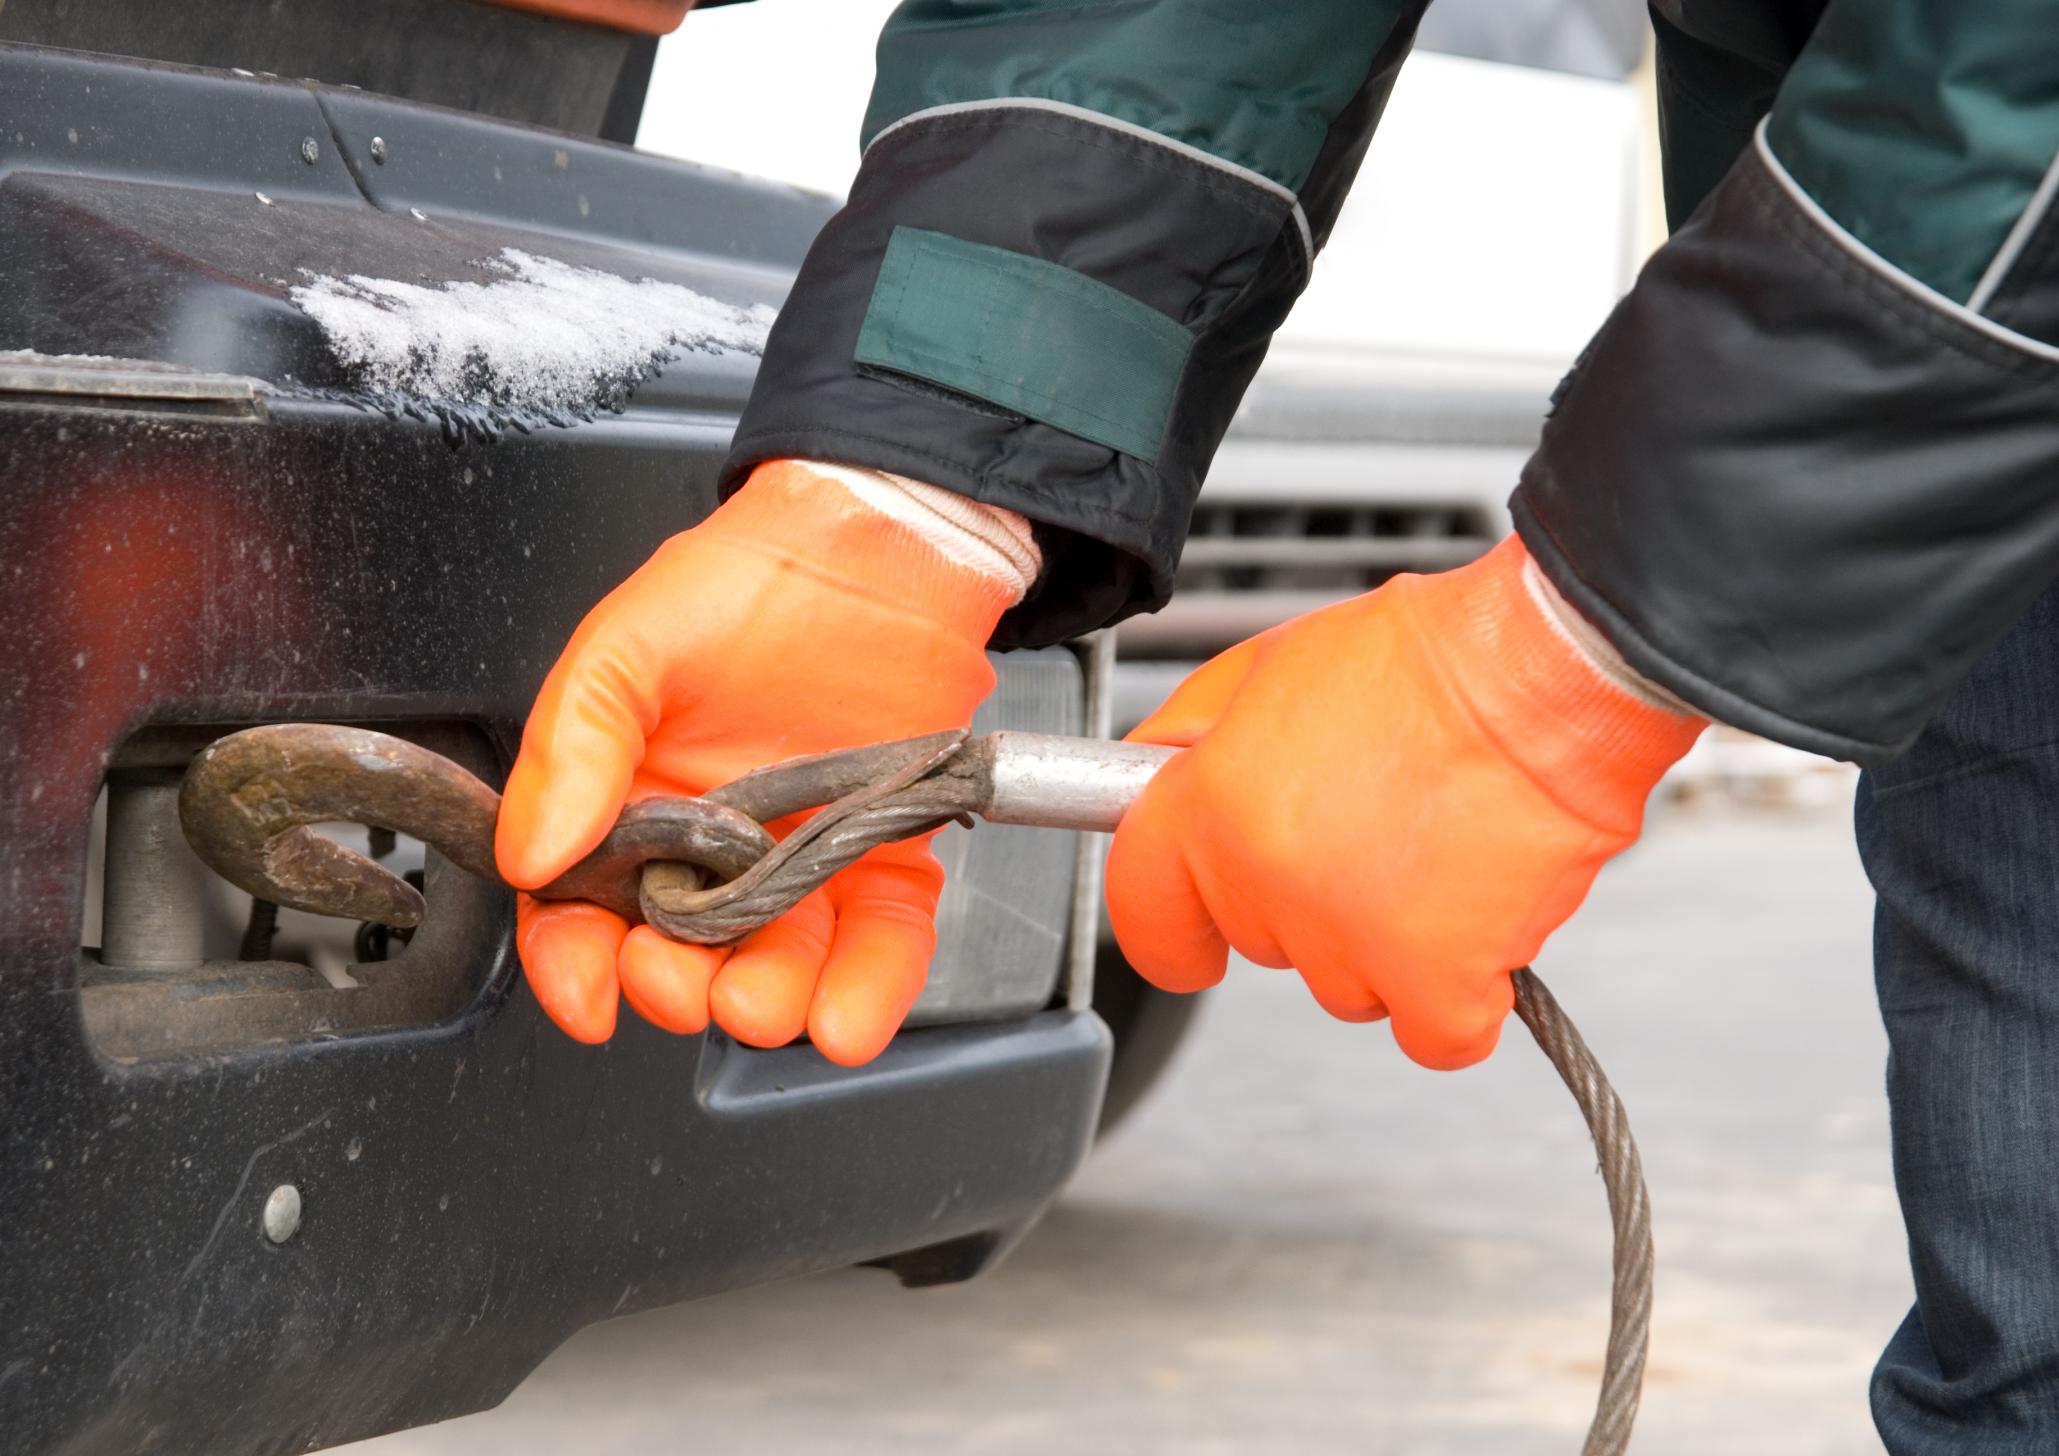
(476,1189)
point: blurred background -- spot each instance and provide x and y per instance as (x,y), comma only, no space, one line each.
(1299,1242)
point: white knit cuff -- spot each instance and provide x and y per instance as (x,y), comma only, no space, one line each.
(1587,639)
(988,539)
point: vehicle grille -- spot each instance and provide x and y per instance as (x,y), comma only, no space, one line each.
(1356,515)
(1332,480)
(1245,548)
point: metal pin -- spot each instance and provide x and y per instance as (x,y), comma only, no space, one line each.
(154,897)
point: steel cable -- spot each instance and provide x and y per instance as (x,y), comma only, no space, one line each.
(1622,1178)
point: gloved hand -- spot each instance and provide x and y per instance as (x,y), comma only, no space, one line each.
(818,608)
(1399,796)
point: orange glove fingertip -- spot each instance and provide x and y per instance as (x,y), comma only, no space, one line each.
(879,961)
(568,952)
(1341,993)
(556,809)
(1200,699)
(762,993)
(852,1035)
(1162,925)
(1448,1035)
(667,983)
(584,739)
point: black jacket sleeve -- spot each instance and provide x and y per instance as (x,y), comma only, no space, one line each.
(1073,234)
(1809,469)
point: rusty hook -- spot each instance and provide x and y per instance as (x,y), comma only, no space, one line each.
(250,800)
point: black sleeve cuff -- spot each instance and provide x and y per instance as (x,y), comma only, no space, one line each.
(1220,256)
(1794,487)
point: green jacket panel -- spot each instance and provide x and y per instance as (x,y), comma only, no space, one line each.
(1261,95)
(1925,127)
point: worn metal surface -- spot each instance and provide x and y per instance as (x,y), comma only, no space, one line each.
(1054,782)
(151,907)
(1051,781)
(127,383)
(992,962)
(475,1185)
(250,799)
(229,1003)
(888,791)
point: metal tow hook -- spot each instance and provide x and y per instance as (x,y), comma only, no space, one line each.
(250,801)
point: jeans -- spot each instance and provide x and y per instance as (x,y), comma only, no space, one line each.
(1960,837)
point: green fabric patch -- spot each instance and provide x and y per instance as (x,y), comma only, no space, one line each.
(1252,84)
(1027,335)
(1924,127)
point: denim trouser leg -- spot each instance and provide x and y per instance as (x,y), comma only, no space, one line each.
(1960,837)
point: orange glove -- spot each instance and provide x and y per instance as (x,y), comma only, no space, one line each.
(1399,796)
(796,619)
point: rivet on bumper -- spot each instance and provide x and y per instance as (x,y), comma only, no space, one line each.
(282,1213)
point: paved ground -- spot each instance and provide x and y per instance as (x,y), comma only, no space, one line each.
(1304,1245)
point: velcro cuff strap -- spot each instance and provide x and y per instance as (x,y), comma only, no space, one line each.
(1027,335)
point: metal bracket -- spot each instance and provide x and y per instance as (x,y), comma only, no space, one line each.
(1096,652)
(81,382)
